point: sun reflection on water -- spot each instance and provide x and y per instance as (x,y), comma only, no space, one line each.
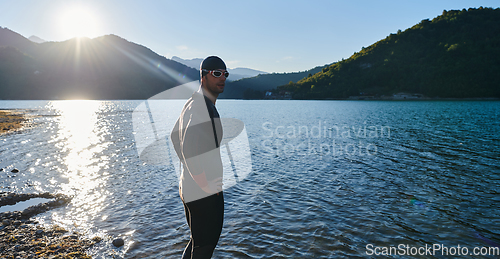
(80,138)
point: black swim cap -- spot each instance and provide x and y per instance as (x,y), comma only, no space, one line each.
(212,63)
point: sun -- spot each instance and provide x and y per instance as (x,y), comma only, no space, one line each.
(78,21)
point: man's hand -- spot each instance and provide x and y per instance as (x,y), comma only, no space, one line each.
(213,186)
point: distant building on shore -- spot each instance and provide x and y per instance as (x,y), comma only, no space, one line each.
(406,96)
(281,95)
(396,96)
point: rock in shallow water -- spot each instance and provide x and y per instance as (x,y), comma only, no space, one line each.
(20,237)
(15,170)
(118,242)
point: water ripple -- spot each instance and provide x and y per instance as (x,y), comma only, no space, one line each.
(434,179)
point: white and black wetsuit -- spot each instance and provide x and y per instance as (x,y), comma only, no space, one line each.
(196,136)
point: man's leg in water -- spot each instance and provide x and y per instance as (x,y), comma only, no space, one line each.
(205,218)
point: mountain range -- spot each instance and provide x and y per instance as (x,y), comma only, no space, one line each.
(36,39)
(455,55)
(107,67)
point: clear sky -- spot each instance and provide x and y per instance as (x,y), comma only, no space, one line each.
(271,35)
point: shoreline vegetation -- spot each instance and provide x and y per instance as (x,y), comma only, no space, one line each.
(23,237)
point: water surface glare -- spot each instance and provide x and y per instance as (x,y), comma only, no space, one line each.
(328,177)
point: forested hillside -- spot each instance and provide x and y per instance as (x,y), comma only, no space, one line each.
(455,55)
(255,87)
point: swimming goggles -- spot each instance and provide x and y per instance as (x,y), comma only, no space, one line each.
(217,73)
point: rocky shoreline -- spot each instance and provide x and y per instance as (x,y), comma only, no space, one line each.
(11,120)
(22,237)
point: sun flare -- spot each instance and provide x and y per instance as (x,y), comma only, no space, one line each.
(78,21)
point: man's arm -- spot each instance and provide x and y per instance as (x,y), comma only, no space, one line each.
(200,155)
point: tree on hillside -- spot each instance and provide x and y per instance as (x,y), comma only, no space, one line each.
(452,55)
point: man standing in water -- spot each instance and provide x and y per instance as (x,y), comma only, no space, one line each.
(196,136)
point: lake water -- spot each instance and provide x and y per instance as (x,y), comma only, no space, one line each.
(328,178)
